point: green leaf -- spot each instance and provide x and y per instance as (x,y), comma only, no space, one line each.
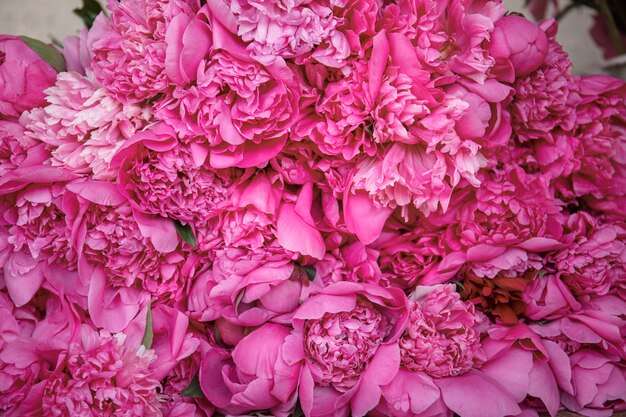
(148,335)
(310,272)
(47,53)
(193,389)
(185,233)
(88,13)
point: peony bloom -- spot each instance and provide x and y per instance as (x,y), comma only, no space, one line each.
(599,384)
(34,238)
(165,178)
(133,249)
(547,297)
(594,264)
(102,376)
(344,338)
(32,347)
(517,55)
(545,97)
(172,340)
(23,77)
(526,365)
(131,47)
(600,118)
(406,258)
(256,375)
(244,109)
(439,350)
(13,146)
(287,30)
(442,336)
(83,126)
(248,288)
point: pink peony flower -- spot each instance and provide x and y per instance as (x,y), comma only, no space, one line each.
(34,237)
(256,375)
(32,351)
(76,52)
(442,336)
(600,117)
(517,55)
(406,258)
(129,53)
(593,265)
(23,77)
(344,339)
(526,365)
(172,341)
(164,178)
(599,384)
(102,376)
(287,30)
(134,250)
(545,97)
(244,109)
(248,288)
(83,126)
(547,297)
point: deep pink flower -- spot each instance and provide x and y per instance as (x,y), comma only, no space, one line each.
(102,376)
(23,77)
(344,339)
(244,109)
(32,350)
(129,54)
(442,336)
(545,98)
(524,365)
(517,55)
(593,265)
(256,375)
(600,118)
(33,230)
(164,178)
(599,384)
(133,249)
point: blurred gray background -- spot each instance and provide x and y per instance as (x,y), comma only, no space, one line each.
(42,19)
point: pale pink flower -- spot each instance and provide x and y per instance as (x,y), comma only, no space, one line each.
(83,126)
(288,29)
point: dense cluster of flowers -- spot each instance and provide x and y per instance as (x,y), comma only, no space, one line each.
(322,207)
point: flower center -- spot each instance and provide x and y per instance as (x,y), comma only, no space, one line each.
(341,345)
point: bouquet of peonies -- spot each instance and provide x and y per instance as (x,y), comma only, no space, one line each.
(312,207)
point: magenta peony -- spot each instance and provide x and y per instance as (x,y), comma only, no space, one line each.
(318,208)
(24,77)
